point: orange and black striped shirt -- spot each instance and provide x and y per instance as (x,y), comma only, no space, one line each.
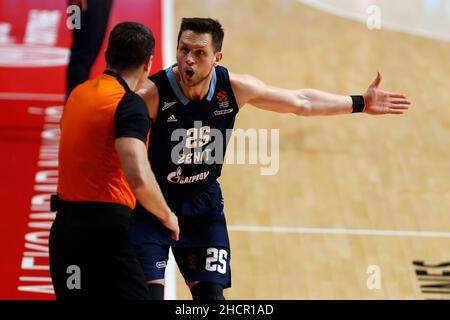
(98,112)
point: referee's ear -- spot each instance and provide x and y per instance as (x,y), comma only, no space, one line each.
(148,65)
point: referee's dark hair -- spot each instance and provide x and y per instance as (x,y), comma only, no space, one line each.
(130,44)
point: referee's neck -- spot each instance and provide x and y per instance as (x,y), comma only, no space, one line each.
(131,77)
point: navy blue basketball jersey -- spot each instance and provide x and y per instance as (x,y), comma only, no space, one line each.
(188,141)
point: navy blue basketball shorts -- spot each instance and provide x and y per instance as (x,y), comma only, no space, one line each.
(203,250)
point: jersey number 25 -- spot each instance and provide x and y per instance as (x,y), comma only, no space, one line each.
(216,260)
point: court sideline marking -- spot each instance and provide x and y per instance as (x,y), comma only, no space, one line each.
(168,55)
(338,231)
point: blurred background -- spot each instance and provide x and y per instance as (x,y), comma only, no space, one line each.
(359,208)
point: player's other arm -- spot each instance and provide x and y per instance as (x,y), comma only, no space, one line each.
(149,92)
(312,102)
(133,158)
(132,125)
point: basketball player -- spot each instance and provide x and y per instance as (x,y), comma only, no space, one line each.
(186,102)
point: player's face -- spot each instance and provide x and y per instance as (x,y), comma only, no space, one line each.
(196,57)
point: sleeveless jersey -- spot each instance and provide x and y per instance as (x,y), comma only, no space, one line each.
(188,141)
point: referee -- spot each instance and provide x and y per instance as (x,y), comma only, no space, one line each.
(103,168)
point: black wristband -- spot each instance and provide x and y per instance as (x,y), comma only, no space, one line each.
(358,104)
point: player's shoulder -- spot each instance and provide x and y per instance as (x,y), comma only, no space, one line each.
(132,101)
(157,82)
(220,68)
(149,93)
(158,77)
(246,87)
(148,90)
(244,81)
(222,73)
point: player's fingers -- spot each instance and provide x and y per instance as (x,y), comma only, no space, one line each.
(395,112)
(401,101)
(396,107)
(377,81)
(396,95)
(176,234)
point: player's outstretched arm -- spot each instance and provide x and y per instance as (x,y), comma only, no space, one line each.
(312,102)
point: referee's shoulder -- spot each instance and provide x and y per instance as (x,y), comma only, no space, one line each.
(82,87)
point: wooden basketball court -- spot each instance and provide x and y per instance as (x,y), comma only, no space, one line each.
(354,194)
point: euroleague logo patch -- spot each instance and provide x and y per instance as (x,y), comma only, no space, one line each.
(222,97)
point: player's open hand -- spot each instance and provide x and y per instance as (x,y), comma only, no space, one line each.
(383,102)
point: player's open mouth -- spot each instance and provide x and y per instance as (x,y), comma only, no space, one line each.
(189,73)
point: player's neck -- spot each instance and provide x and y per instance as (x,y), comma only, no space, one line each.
(193,93)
